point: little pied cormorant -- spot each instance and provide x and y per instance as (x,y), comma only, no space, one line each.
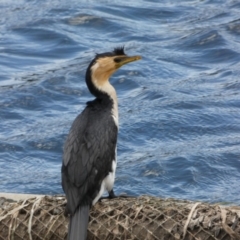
(89,157)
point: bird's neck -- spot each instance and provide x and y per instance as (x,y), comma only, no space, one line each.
(104,91)
(109,91)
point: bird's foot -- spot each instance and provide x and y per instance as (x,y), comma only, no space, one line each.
(111,195)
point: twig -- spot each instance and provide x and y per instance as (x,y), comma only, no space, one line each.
(228,230)
(189,218)
(37,202)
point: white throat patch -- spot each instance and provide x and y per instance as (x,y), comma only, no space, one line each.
(102,83)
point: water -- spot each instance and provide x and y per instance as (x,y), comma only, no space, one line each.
(179,106)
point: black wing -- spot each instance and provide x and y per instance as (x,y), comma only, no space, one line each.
(87,159)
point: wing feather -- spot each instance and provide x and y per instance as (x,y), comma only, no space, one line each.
(88,153)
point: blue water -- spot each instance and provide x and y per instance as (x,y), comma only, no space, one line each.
(179,106)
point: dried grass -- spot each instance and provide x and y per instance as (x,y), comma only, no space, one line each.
(142,218)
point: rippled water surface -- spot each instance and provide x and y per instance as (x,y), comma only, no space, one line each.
(179,106)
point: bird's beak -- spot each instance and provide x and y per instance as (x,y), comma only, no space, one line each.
(122,60)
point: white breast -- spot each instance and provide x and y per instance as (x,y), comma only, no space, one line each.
(108,182)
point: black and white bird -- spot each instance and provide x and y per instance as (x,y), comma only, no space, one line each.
(89,157)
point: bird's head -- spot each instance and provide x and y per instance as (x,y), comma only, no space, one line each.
(104,65)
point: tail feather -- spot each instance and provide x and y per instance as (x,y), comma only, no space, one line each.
(77,229)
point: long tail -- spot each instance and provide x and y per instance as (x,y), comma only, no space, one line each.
(77,229)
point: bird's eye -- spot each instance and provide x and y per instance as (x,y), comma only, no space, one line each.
(117,60)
